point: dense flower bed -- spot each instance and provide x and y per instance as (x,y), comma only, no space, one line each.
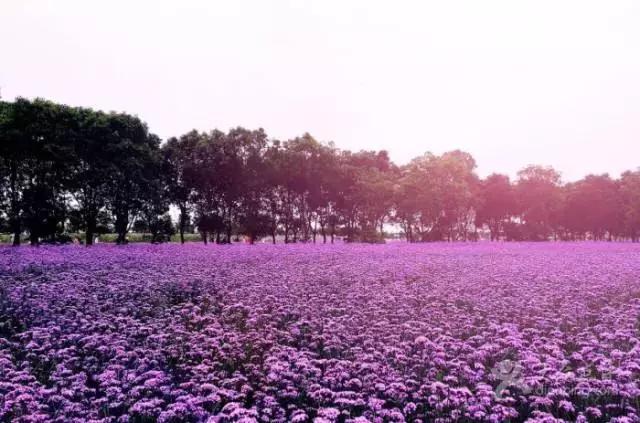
(194,333)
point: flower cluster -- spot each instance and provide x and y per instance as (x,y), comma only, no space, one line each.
(302,333)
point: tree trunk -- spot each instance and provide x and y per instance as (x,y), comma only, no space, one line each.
(273,237)
(154,236)
(33,239)
(15,211)
(16,234)
(91,229)
(181,230)
(122,238)
(204,237)
(183,221)
(122,221)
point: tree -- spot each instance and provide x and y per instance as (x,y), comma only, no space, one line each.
(630,199)
(324,200)
(177,163)
(65,168)
(273,173)
(91,173)
(249,181)
(154,209)
(496,204)
(36,152)
(133,167)
(435,197)
(365,199)
(539,201)
(13,167)
(592,208)
(294,164)
(202,181)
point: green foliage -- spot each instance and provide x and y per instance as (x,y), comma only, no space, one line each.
(61,164)
(436,197)
(68,172)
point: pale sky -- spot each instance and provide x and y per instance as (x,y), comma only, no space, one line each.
(512,82)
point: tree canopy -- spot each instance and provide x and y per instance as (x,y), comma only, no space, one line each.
(69,169)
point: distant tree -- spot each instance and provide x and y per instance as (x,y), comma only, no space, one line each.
(274,176)
(251,184)
(76,222)
(202,181)
(294,165)
(36,152)
(539,199)
(229,178)
(366,197)
(630,199)
(496,204)
(178,163)
(458,185)
(160,227)
(64,168)
(154,209)
(133,168)
(300,156)
(90,170)
(330,193)
(592,208)
(435,197)
(13,167)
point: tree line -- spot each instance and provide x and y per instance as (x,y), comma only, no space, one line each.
(71,169)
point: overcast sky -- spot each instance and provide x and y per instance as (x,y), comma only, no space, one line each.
(512,82)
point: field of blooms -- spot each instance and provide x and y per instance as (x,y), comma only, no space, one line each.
(302,333)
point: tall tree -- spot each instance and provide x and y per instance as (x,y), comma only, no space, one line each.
(90,169)
(252,217)
(435,197)
(367,191)
(592,208)
(630,199)
(496,204)
(178,165)
(540,201)
(134,154)
(14,157)
(37,153)
(203,178)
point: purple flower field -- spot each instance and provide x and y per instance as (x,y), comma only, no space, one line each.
(349,333)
